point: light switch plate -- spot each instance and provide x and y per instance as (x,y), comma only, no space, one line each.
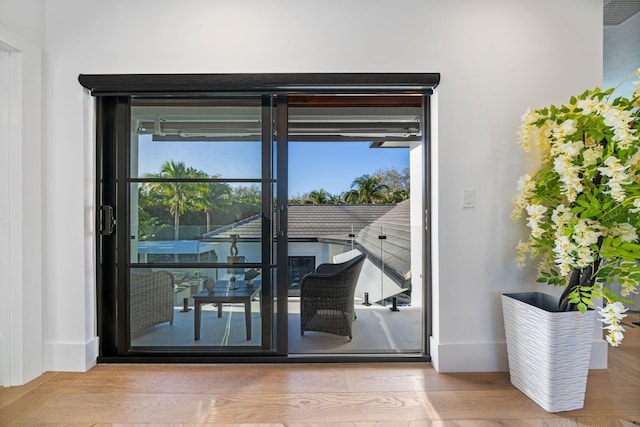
(469,198)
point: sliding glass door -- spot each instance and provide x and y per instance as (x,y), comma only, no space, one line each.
(360,195)
(200,236)
(204,242)
(187,207)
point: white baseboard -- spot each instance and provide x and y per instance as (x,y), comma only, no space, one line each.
(469,357)
(491,357)
(71,356)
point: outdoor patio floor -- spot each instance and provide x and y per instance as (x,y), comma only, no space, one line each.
(377,330)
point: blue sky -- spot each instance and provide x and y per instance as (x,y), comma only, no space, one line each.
(313,165)
(333,165)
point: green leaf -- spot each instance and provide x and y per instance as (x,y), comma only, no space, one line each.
(583,203)
(587,301)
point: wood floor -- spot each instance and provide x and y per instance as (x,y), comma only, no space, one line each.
(312,395)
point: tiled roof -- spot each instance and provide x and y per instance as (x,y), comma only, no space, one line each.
(310,222)
(248,229)
(395,248)
(334,223)
(318,221)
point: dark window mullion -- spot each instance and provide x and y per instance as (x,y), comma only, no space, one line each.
(282,250)
(123,228)
(266,299)
(188,180)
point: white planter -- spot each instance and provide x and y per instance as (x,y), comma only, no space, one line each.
(548,350)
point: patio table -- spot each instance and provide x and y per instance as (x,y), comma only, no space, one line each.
(226,292)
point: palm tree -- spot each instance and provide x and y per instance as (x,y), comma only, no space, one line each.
(336,199)
(247,200)
(368,189)
(397,196)
(212,197)
(177,195)
(318,197)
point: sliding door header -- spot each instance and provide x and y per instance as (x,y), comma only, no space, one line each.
(378,83)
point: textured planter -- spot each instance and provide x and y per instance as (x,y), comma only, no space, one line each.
(548,350)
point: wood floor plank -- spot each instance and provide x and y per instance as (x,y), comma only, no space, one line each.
(10,394)
(313,395)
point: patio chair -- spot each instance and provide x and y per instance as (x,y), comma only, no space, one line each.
(150,300)
(326,298)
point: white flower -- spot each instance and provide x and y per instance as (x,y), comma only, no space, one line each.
(617,177)
(591,155)
(634,161)
(625,231)
(523,249)
(564,129)
(570,176)
(614,167)
(585,257)
(613,311)
(527,128)
(615,335)
(535,212)
(612,314)
(561,216)
(588,105)
(636,205)
(526,187)
(628,288)
(619,121)
(571,149)
(546,264)
(587,232)
(563,259)
(568,127)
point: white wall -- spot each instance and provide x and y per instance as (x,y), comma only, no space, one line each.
(21,308)
(496,58)
(509,57)
(24,17)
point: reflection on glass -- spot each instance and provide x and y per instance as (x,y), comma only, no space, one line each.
(385,286)
(221,140)
(195,307)
(195,222)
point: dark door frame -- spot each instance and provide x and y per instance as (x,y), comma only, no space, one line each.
(113,94)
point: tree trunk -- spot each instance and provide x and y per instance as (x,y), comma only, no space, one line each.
(580,277)
(176,233)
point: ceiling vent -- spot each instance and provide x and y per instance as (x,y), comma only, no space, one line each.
(618,11)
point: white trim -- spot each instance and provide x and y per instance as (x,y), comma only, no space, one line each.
(492,356)
(72,356)
(21,328)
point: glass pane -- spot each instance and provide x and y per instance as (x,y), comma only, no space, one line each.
(373,149)
(173,222)
(195,307)
(220,141)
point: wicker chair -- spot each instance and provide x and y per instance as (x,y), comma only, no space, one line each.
(326,297)
(151,300)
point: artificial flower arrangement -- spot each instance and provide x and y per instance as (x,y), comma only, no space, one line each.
(583,204)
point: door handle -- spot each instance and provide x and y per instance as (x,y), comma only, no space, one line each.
(108,220)
(281,221)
